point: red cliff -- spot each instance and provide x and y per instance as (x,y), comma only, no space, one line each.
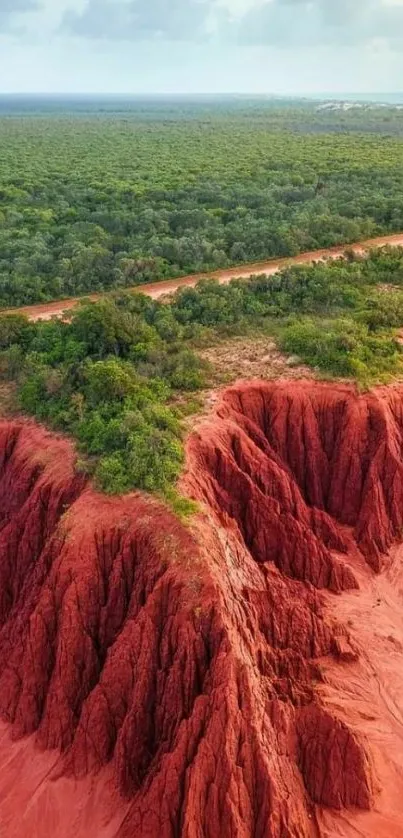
(164,680)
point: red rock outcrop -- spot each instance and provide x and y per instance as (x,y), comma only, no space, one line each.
(317,454)
(189,665)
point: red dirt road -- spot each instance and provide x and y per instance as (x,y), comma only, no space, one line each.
(45,311)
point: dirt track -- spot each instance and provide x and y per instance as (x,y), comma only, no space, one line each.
(45,311)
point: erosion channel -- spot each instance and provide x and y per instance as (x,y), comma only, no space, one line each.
(237,676)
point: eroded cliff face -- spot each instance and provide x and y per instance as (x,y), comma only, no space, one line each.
(319,456)
(187,671)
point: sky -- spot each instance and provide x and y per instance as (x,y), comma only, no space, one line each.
(201,46)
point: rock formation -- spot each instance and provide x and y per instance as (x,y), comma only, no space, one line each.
(190,670)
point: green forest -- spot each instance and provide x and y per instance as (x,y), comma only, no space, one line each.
(108,197)
(123,374)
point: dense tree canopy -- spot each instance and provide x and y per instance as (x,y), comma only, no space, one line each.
(91,201)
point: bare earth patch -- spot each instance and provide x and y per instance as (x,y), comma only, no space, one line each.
(253,357)
(245,359)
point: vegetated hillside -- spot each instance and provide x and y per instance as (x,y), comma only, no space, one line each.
(90,202)
(123,374)
(184,675)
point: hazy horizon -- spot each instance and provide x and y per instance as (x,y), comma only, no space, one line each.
(291,47)
(358,96)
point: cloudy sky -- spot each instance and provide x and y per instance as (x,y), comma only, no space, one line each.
(151,46)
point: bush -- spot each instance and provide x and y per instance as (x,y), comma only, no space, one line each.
(111,475)
(15,329)
(343,347)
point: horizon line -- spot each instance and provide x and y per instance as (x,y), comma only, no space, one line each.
(243,94)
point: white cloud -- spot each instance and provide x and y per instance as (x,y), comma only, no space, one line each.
(12,10)
(225,45)
(266,22)
(322,22)
(138,20)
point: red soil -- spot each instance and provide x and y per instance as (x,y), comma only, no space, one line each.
(239,678)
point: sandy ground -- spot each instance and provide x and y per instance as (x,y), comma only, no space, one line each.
(36,801)
(373,688)
(156,290)
(247,358)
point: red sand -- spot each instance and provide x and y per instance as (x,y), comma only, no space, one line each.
(45,311)
(241,678)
